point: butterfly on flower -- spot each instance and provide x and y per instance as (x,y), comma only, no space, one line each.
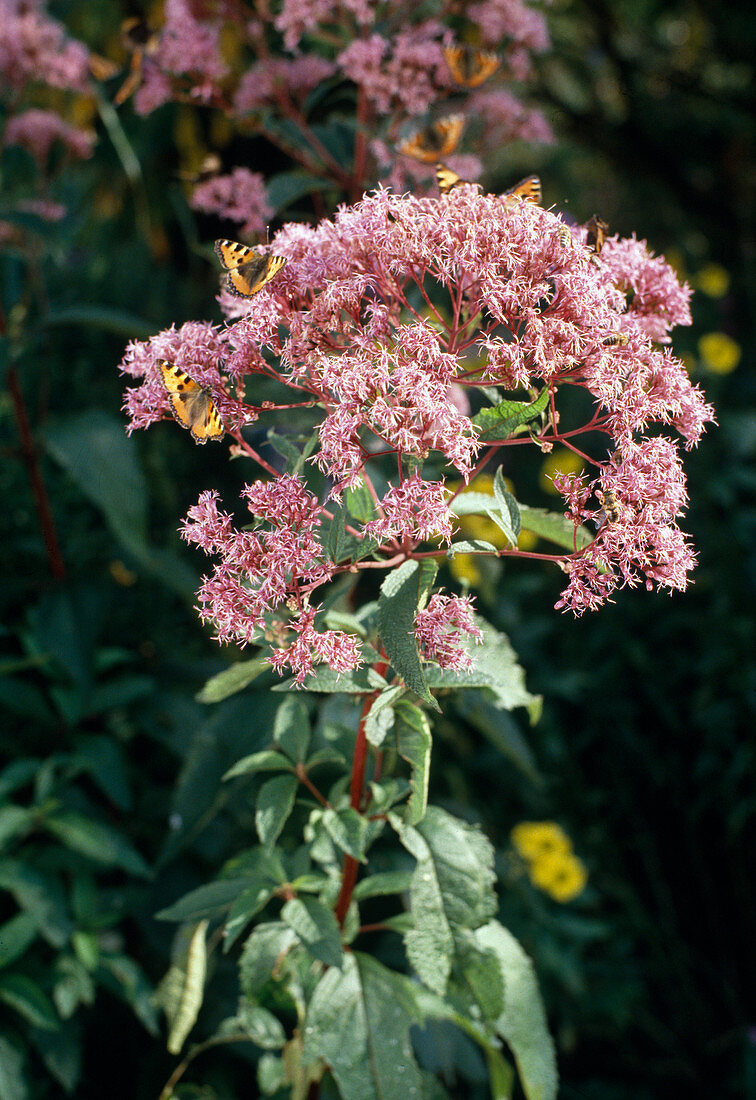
(191,405)
(596,234)
(438,139)
(248,270)
(447,179)
(528,189)
(470,66)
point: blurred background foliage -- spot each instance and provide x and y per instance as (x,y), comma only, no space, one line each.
(110,798)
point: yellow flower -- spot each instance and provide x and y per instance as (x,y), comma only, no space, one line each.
(560,875)
(713,280)
(560,461)
(719,352)
(538,839)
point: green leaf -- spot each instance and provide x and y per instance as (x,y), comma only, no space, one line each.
(523,1021)
(555,527)
(104,759)
(96,841)
(213,898)
(452,889)
(471,546)
(507,518)
(338,543)
(413,737)
(16,775)
(501,421)
(363,681)
(287,187)
(316,928)
(12,1076)
(61,1053)
(263,1028)
(401,593)
(501,1076)
(116,321)
(265,761)
(246,906)
(15,821)
(181,991)
(41,896)
(382,883)
(358,1022)
(471,503)
(380,717)
(291,729)
(495,667)
(348,829)
(359,502)
(482,973)
(263,950)
(15,936)
(73,987)
(25,997)
(275,802)
(234,678)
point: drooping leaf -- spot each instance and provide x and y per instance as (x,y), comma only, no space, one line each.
(384,882)
(16,935)
(214,898)
(413,739)
(26,998)
(97,841)
(358,1022)
(13,1085)
(316,927)
(181,991)
(401,594)
(234,678)
(523,1022)
(380,717)
(275,801)
(291,729)
(264,761)
(506,515)
(429,942)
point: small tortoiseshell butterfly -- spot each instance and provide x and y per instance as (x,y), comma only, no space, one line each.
(470,66)
(191,405)
(438,139)
(447,179)
(528,189)
(248,270)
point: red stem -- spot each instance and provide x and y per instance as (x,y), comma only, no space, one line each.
(351,865)
(29,451)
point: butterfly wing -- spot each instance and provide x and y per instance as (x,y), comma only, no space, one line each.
(248,279)
(528,189)
(470,67)
(597,230)
(447,179)
(437,140)
(191,405)
(232,254)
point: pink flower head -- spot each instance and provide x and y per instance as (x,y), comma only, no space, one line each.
(402,72)
(442,629)
(276,78)
(335,648)
(188,44)
(34,47)
(239,197)
(38,131)
(296,17)
(415,510)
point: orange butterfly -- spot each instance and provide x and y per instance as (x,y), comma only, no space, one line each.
(528,189)
(447,179)
(597,230)
(248,270)
(141,42)
(438,139)
(470,66)
(191,405)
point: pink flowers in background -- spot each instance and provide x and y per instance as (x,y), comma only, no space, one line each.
(381,64)
(378,321)
(35,48)
(38,131)
(239,197)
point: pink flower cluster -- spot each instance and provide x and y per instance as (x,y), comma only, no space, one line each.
(388,56)
(441,629)
(38,131)
(379,320)
(239,196)
(34,48)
